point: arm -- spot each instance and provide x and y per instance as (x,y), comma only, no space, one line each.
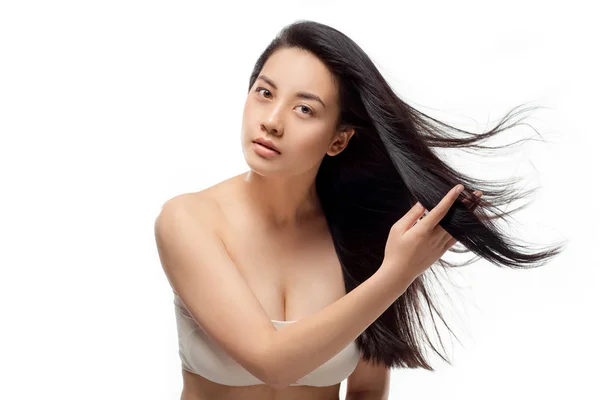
(369,381)
(301,347)
(199,269)
(367,396)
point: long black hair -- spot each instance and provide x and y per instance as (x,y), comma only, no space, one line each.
(387,166)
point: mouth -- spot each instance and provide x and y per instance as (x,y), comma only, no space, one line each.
(266,147)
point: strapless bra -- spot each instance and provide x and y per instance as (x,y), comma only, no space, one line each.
(202,356)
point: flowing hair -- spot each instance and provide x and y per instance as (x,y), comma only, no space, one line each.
(387,166)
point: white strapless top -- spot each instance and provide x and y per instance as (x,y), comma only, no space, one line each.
(202,356)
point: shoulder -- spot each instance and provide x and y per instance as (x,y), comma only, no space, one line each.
(189,206)
(207,203)
(209,209)
(186,223)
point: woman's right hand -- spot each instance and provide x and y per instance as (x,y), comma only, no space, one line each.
(414,244)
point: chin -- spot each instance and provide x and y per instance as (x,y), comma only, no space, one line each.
(264,169)
(260,165)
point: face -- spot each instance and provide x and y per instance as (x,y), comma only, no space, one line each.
(293,103)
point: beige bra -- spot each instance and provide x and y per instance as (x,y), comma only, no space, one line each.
(202,356)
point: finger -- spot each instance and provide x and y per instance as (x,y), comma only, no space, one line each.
(476,193)
(410,218)
(439,230)
(470,203)
(437,213)
(420,218)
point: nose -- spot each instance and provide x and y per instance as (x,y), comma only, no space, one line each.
(272,123)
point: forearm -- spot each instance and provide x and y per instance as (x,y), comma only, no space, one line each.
(367,396)
(303,346)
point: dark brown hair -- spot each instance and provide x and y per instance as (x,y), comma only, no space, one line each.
(386,168)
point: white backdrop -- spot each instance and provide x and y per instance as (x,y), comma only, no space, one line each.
(108,109)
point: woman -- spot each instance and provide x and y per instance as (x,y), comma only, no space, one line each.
(307,269)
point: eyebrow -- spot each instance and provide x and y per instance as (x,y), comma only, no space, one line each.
(302,95)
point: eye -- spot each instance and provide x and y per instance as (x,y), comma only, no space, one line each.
(258,89)
(310,111)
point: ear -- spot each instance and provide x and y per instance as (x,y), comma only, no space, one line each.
(340,141)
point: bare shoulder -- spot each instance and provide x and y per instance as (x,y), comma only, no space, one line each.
(200,271)
(189,205)
(205,204)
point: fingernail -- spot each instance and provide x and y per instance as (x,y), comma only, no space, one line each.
(459,188)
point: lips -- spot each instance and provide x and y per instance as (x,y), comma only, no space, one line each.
(267,144)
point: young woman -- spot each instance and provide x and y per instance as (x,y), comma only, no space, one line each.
(308,269)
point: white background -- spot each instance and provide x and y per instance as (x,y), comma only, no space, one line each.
(108,109)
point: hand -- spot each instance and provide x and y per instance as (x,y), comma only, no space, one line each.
(415,243)
(471,206)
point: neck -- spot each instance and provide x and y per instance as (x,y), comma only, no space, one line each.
(283,201)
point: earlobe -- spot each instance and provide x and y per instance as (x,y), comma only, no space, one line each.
(341,143)
(335,149)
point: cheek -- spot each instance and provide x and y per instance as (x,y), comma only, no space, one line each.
(249,121)
(312,144)
(245,112)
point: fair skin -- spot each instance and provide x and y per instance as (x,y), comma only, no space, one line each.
(271,223)
(283,188)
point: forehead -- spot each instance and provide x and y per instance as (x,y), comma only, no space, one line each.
(293,69)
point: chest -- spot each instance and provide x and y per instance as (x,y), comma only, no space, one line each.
(292,273)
